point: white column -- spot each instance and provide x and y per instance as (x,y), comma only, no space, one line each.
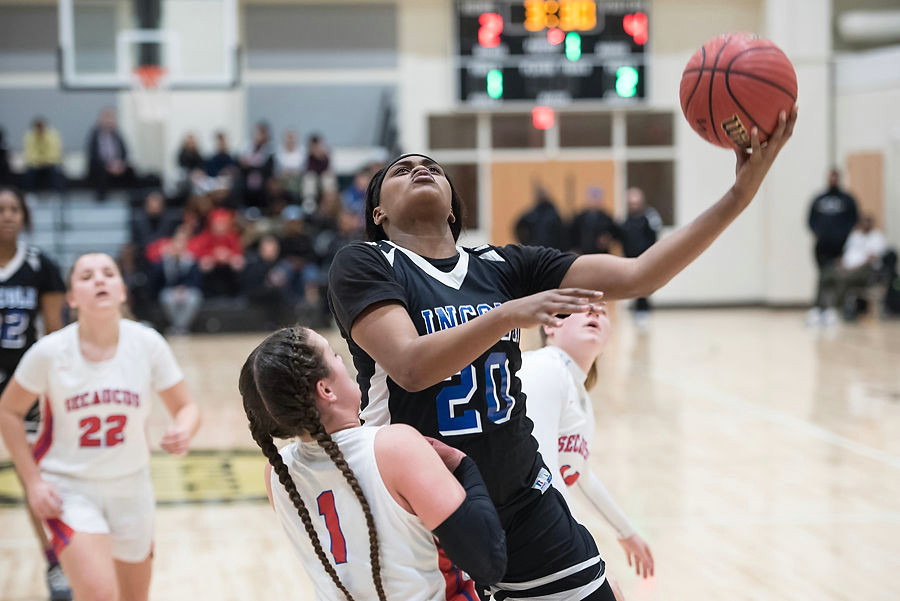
(802,28)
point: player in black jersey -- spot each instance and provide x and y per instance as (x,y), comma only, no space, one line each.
(30,287)
(434,331)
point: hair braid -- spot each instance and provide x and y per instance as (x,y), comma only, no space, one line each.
(262,436)
(313,425)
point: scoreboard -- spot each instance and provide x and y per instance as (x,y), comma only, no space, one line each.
(551,51)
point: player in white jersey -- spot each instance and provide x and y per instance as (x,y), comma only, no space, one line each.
(556,379)
(88,473)
(380,496)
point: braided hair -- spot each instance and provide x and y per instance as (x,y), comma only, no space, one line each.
(278,386)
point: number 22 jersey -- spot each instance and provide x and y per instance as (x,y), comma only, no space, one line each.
(481,409)
(93,413)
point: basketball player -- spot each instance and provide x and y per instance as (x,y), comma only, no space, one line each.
(556,380)
(434,332)
(375,494)
(88,474)
(30,287)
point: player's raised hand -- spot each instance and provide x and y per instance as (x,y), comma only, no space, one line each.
(638,553)
(542,308)
(176,440)
(450,456)
(752,167)
(43,499)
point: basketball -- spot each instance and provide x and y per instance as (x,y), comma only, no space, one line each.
(736,82)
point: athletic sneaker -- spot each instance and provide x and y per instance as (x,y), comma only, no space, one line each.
(830,317)
(814,317)
(58,584)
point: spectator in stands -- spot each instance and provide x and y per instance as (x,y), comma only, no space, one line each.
(222,159)
(318,177)
(196,213)
(219,254)
(298,248)
(860,265)
(43,158)
(639,232)
(268,279)
(5,172)
(542,225)
(354,197)
(189,157)
(832,217)
(593,229)
(152,222)
(289,165)
(179,283)
(107,156)
(257,166)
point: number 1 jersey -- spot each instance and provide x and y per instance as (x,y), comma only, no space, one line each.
(481,409)
(93,413)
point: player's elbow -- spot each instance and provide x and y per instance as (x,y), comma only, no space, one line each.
(495,566)
(410,377)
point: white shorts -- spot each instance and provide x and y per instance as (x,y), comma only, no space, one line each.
(121,507)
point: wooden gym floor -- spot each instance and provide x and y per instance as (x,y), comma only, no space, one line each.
(759,459)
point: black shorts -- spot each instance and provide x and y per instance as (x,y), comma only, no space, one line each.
(550,555)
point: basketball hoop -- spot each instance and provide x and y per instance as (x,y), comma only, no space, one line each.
(150,86)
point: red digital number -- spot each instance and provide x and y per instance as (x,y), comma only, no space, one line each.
(114,435)
(325,501)
(491,26)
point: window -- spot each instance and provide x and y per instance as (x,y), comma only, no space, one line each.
(585,130)
(451,132)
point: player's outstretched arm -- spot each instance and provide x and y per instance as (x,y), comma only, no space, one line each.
(630,278)
(455,507)
(386,332)
(636,549)
(14,404)
(186,419)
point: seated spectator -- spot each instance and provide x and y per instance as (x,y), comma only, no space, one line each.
(189,158)
(219,254)
(297,247)
(179,283)
(317,177)
(268,281)
(257,165)
(152,222)
(289,165)
(43,158)
(107,156)
(354,197)
(196,212)
(5,172)
(221,160)
(858,267)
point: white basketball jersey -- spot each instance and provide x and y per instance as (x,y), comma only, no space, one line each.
(412,566)
(561,410)
(93,414)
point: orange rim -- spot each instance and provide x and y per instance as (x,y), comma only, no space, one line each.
(150,75)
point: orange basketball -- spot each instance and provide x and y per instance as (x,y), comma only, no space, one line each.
(733,83)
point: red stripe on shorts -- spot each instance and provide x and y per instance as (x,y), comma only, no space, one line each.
(62,534)
(458,587)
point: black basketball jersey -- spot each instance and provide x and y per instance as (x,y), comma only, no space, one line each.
(481,409)
(23,280)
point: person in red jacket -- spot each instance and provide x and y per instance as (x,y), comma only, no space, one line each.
(219,254)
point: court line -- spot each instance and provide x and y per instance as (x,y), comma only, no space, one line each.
(723,397)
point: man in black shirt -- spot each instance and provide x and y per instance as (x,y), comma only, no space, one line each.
(832,217)
(639,231)
(593,230)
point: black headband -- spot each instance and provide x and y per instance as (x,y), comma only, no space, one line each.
(379,177)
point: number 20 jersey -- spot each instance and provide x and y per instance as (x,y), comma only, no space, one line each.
(481,409)
(93,413)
